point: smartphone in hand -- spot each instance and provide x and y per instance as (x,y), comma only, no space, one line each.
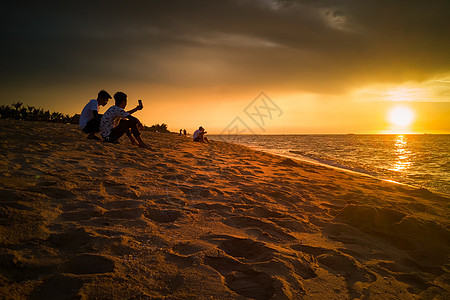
(140,102)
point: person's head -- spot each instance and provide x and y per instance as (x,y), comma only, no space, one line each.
(103,97)
(201,128)
(121,99)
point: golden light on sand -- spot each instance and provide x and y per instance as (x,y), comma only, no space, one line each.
(401,116)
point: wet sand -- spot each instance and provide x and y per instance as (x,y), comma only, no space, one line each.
(83,219)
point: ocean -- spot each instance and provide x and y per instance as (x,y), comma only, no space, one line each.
(418,160)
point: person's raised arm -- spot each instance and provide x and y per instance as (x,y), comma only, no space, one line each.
(139,107)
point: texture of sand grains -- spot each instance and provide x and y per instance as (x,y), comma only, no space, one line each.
(84,219)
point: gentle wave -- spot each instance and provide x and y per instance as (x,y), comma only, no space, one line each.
(420,160)
(333,163)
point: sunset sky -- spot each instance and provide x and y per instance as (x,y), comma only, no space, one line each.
(325,66)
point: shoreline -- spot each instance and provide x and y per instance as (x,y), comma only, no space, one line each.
(318,163)
(86,219)
(339,166)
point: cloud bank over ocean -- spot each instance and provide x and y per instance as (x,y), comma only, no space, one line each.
(312,46)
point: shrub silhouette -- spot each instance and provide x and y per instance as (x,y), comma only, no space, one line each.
(29,113)
(157,128)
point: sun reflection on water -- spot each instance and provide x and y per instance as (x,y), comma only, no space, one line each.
(403,159)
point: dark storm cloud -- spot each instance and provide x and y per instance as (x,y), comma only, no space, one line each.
(304,45)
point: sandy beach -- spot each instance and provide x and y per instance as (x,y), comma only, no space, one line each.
(83,219)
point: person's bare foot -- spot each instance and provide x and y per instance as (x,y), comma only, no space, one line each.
(145,146)
(141,143)
(93,137)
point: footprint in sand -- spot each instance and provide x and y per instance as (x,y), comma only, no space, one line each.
(295,224)
(125,213)
(76,240)
(260,211)
(61,286)
(243,263)
(119,189)
(163,216)
(174,177)
(341,264)
(242,279)
(417,282)
(12,198)
(52,191)
(246,249)
(314,251)
(124,204)
(347,267)
(82,214)
(250,223)
(88,264)
(220,209)
(190,248)
(199,191)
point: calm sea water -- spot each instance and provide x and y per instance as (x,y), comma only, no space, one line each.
(419,160)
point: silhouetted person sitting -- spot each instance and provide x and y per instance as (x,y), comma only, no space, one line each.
(199,135)
(116,121)
(90,118)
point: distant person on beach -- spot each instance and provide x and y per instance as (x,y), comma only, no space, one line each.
(180,132)
(116,121)
(184,132)
(90,118)
(199,135)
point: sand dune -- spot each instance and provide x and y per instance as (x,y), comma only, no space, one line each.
(82,219)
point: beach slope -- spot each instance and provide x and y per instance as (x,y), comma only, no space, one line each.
(83,219)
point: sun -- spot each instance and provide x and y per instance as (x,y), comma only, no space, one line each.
(401,116)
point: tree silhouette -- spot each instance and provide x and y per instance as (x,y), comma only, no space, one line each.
(17,105)
(29,113)
(158,128)
(17,111)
